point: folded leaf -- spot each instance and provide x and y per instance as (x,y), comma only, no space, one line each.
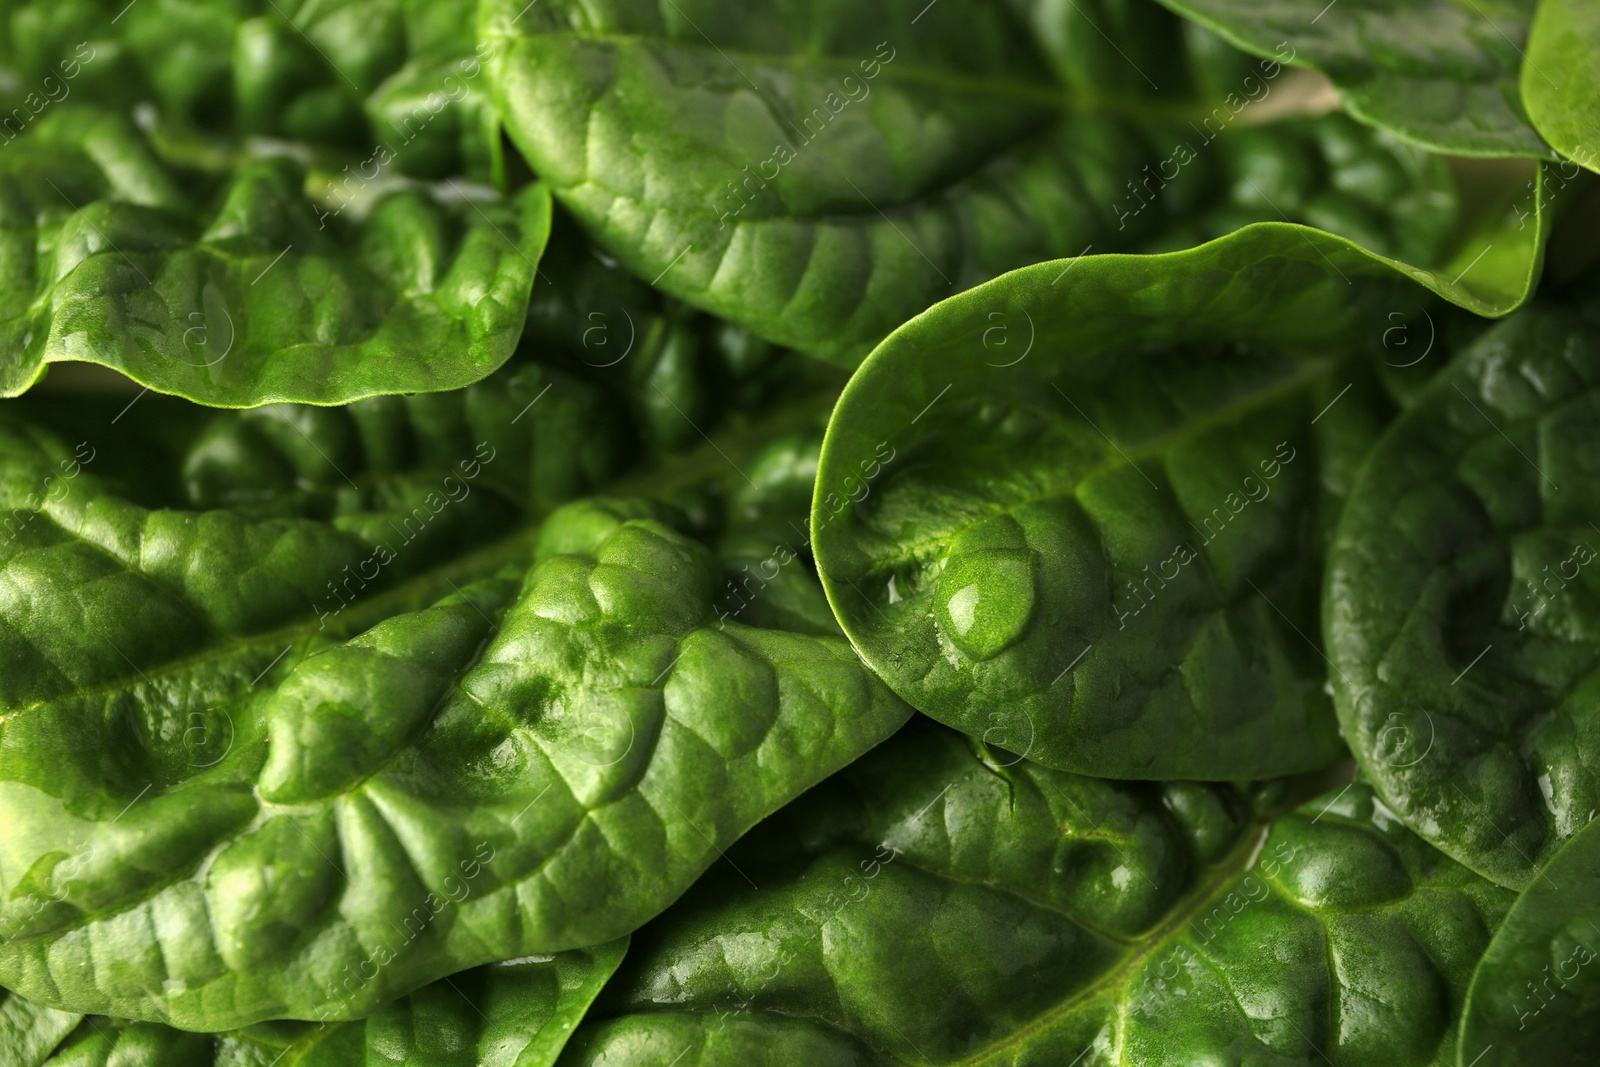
(395,81)
(1462,617)
(255,294)
(1085,522)
(334,691)
(820,175)
(945,909)
(1536,995)
(517,1014)
(1440,74)
(1559,80)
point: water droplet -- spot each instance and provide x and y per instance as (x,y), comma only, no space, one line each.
(988,600)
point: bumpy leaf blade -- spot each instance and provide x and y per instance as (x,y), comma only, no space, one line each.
(1559,80)
(822,175)
(1460,616)
(1081,521)
(398,83)
(257,297)
(517,1014)
(943,908)
(1536,996)
(335,691)
(1440,73)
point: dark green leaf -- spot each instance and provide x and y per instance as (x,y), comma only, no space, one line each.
(1439,73)
(822,174)
(517,1014)
(935,907)
(387,82)
(253,294)
(331,691)
(1084,521)
(1536,995)
(1559,80)
(1462,617)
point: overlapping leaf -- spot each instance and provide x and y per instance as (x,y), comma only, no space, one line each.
(252,293)
(1085,521)
(1441,73)
(1462,620)
(334,689)
(389,83)
(823,174)
(1559,80)
(517,1014)
(1536,995)
(941,904)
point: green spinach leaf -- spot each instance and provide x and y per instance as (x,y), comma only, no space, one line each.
(389,83)
(1559,80)
(935,907)
(821,175)
(251,294)
(1461,613)
(1085,522)
(335,691)
(517,1014)
(1536,995)
(1440,73)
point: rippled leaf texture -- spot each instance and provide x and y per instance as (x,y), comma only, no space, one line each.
(333,691)
(1536,995)
(1440,73)
(251,294)
(1559,80)
(517,1014)
(823,173)
(1084,521)
(936,907)
(396,82)
(1462,621)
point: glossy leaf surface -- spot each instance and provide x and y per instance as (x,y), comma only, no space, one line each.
(1560,82)
(1440,73)
(1462,620)
(333,689)
(253,294)
(1536,995)
(822,174)
(516,1014)
(1084,521)
(941,905)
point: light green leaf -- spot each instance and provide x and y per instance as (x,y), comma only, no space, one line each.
(517,1014)
(1461,612)
(822,174)
(1440,73)
(254,293)
(1536,995)
(1559,80)
(313,692)
(1084,522)
(939,908)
